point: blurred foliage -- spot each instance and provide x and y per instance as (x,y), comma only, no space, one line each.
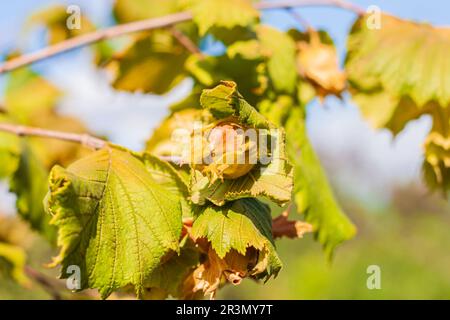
(400,73)
(409,242)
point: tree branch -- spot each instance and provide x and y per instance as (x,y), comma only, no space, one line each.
(93,37)
(84,139)
(81,138)
(149,24)
(50,285)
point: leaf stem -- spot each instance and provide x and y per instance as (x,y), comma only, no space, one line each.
(150,24)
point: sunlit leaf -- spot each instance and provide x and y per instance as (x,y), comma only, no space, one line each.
(241,247)
(223,14)
(402,57)
(114,220)
(317,62)
(28,95)
(279,49)
(12,263)
(312,193)
(152,63)
(224,101)
(397,74)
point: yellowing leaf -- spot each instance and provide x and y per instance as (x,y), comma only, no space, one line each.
(131,10)
(399,73)
(318,63)
(12,262)
(437,161)
(56,18)
(152,63)
(436,167)
(114,220)
(28,95)
(223,14)
(402,57)
(214,271)
(9,152)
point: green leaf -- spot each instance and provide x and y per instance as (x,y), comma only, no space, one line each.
(239,225)
(29,183)
(223,14)
(28,95)
(312,193)
(9,153)
(170,275)
(224,101)
(152,63)
(114,220)
(165,175)
(12,262)
(280,51)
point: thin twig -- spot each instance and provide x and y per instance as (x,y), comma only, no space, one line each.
(48,284)
(94,37)
(185,41)
(81,138)
(285,4)
(84,139)
(149,24)
(297,17)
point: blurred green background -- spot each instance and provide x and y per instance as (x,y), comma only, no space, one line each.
(409,240)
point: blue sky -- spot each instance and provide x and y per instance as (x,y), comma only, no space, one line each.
(336,128)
